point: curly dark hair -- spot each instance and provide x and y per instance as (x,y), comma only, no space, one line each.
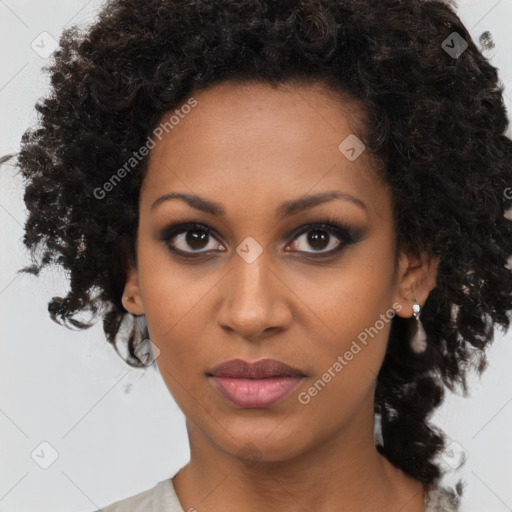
(434,120)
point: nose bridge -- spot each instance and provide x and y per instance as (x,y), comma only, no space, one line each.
(250,287)
(251,302)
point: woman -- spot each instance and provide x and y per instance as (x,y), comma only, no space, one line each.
(298,210)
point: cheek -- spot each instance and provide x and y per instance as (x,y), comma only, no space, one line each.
(170,292)
(348,299)
(354,319)
(347,365)
(176,321)
(173,301)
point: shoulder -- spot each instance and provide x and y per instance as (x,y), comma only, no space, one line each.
(141,502)
(160,497)
(441,499)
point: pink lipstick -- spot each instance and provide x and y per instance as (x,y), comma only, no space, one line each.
(252,385)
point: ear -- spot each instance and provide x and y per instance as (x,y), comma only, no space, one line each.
(132,299)
(416,277)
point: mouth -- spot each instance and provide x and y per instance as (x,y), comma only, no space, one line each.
(254,385)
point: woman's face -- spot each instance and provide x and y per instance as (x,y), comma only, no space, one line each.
(255,281)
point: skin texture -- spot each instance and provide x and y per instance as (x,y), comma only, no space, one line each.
(250,147)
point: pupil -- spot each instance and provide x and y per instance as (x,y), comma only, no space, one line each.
(317,239)
(195,238)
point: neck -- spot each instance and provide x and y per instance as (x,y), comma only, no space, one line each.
(345,469)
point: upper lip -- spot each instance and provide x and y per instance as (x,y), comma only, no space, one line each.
(264,368)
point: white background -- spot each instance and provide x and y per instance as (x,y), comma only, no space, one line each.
(116,430)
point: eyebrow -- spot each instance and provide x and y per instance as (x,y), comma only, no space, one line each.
(287,208)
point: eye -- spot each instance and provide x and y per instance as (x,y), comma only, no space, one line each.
(325,238)
(181,238)
(321,240)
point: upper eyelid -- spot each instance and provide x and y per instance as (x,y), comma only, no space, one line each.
(184,227)
(178,229)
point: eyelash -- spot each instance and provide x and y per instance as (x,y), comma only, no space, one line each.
(330,225)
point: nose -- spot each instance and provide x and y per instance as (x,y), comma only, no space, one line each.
(255,300)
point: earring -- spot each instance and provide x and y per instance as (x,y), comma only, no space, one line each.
(419,338)
(143,347)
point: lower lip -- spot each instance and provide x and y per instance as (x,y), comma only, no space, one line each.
(254,393)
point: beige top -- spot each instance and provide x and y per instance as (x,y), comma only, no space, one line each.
(162,498)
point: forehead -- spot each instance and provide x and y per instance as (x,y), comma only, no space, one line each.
(254,143)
